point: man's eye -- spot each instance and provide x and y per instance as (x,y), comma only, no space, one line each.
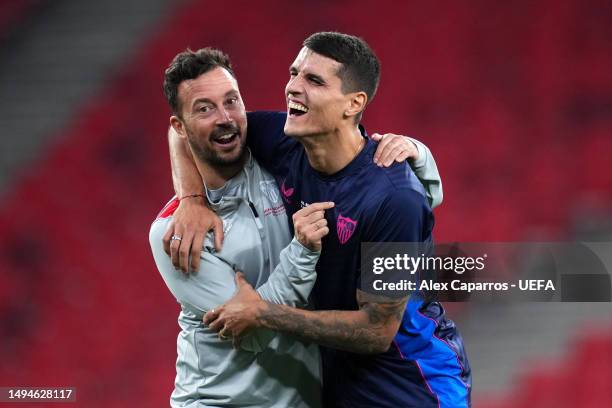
(232,101)
(204,109)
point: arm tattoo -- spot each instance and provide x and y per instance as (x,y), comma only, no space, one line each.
(368,330)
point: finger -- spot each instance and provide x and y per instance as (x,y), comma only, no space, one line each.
(377,137)
(175,245)
(386,149)
(185,250)
(319,234)
(315,207)
(391,150)
(323,231)
(240,279)
(411,148)
(396,152)
(225,334)
(385,140)
(196,249)
(403,156)
(315,226)
(320,223)
(315,233)
(308,229)
(218,231)
(217,325)
(211,316)
(312,218)
(166,239)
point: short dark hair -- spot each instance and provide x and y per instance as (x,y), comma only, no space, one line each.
(360,69)
(190,65)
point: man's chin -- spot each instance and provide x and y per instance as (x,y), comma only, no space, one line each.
(293,131)
(230,158)
(223,159)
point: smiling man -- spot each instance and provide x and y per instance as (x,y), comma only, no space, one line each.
(376,351)
(268,370)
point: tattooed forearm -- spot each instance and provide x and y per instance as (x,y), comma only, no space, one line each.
(368,330)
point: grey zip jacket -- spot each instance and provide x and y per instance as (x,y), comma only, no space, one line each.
(270,369)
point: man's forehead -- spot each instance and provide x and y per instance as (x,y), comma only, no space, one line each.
(309,60)
(214,83)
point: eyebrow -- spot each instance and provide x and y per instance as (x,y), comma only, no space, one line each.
(201,100)
(315,76)
(232,92)
(308,74)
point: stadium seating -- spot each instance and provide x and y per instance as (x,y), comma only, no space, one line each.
(581,379)
(12,13)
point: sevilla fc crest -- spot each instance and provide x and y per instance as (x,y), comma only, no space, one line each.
(269,189)
(345,227)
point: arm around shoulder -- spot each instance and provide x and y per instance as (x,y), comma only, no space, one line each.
(426,170)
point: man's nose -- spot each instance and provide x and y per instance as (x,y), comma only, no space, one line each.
(223,115)
(294,86)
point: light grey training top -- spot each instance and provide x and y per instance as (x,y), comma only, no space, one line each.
(269,370)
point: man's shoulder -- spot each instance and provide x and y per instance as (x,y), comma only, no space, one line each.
(397,181)
(160,223)
(168,209)
(398,211)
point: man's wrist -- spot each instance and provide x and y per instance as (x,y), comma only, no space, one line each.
(260,308)
(265,314)
(195,199)
(192,195)
(422,154)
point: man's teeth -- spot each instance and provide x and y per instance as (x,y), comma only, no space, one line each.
(226,137)
(297,106)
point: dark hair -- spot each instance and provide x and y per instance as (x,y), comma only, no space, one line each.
(360,69)
(190,65)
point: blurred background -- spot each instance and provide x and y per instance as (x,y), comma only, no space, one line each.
(513,98)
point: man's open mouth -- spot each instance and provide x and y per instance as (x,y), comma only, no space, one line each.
(296,108)
(226,139)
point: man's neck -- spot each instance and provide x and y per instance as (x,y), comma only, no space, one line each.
(215,177)
(330,153)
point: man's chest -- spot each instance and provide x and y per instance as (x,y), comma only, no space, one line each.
(345,219)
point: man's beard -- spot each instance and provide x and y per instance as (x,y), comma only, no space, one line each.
(212,157)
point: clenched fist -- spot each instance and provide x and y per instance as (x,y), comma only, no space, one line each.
(310,225)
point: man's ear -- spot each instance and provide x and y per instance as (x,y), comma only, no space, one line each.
(176,125)
(356,104)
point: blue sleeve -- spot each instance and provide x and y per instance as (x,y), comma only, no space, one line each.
(403,216)
(266,138)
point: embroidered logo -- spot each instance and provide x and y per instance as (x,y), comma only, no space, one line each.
(269,190)
(345,228)
(276,211)
(287,192)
